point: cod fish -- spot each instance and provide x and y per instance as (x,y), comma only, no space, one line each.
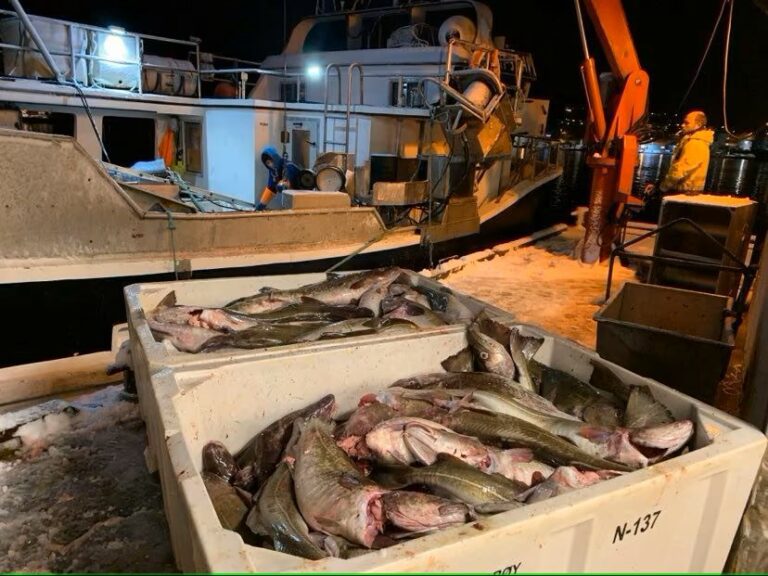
(634,448)
(609,443)
(516,347)
(311,310)
(371,299)
(341,290)
(570,394)
(217,460)
(490,354)
(416,512)
(333,496)
(228,504)
(495,428)
(427,441)
(405,291)
(452,310)
(261,454)
(183,337)
(479,390)
(565,479)
(405,309)
(168,312)
(276,515)
(261,336)
(455,479)
(409,440)
(351,434)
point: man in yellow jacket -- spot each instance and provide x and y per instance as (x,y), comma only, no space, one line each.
(690,158)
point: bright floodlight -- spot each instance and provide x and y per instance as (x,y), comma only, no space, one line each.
(314,71)
(114,47)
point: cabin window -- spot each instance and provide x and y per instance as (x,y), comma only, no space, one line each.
(128,139)
(193,138)
(47,122)
(288,92)
(406,92)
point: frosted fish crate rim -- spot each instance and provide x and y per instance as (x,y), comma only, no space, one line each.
(678,515)
(144,297)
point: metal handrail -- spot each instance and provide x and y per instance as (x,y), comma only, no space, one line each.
(739,303)
(352,67)
(72,27)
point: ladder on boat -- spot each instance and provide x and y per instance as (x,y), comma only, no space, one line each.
(327,139)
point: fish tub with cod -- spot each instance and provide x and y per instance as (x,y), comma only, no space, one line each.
(677,515)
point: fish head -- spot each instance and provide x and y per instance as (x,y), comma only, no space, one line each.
(612,444)
(218,460)
(177,314)
(660,441)
(383,276)
(416,512)
(366,518)
(387,442)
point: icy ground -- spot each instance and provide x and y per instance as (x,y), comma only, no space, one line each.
(77,495)
(544,286)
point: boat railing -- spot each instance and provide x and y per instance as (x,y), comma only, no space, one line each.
(348,111)
(484,65)
(533,155)
(81,48)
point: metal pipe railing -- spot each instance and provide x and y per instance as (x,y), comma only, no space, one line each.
(38,40)
(350,71)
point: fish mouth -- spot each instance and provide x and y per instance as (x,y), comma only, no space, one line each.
(373,512)
(660,441)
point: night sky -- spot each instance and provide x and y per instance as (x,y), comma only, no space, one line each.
(669,35)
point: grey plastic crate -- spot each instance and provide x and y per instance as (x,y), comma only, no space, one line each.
(679,337)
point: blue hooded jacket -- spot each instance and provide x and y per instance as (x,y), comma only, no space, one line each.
(279,172)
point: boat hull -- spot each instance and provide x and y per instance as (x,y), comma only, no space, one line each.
(59,318)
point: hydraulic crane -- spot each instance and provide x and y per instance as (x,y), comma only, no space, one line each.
(611,119)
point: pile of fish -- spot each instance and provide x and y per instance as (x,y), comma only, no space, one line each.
(495,432)
(382,301)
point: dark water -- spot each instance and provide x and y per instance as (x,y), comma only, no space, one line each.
(732,175)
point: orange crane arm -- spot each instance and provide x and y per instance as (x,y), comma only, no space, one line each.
(613,163)
(613,31)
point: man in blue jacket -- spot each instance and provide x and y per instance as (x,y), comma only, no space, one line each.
(283,175)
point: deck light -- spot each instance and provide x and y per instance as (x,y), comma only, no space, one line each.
(314,71)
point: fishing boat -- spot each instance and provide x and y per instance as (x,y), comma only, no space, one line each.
(412,124)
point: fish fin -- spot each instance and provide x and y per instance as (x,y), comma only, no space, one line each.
(496,507)
(310,300)
(451,508)
(602,414)
(644,411)
(267,290)
(349,480)
(168,300)
(595,433)
(392,476)
(460,403)
(254,522)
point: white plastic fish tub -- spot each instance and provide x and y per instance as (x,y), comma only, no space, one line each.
(679,515)
(141,299)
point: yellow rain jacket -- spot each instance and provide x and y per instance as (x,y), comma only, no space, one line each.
(690,161)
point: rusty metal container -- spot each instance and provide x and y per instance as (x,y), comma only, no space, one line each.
(728,219)
(679,337)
